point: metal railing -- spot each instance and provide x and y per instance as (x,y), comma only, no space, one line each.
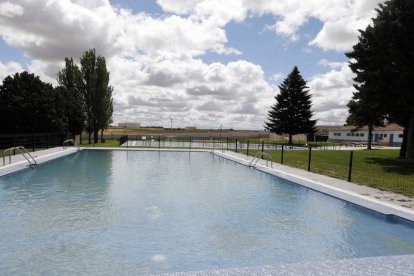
(70,141)
(258,156)
(23,152)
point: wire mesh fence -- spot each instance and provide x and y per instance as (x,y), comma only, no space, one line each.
(32,142)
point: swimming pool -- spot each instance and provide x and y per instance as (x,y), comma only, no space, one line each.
(155,212)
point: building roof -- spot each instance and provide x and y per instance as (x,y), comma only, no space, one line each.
(389,127)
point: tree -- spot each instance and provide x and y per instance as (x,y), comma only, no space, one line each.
(384,56)
(29,105)
(69,79)
(292,112)
(97,93)
(362,112)
(104,95)
(87,86)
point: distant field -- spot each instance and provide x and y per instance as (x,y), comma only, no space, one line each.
(187,132)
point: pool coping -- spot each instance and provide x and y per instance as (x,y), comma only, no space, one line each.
(401,265)
(21,165)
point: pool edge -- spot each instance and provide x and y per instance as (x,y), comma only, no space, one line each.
(381,207)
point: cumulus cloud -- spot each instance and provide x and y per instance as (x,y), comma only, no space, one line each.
(9,68)
(8,9)
(330,94)
(341,18)
(155,60)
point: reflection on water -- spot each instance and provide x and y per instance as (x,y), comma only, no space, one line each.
(100,212)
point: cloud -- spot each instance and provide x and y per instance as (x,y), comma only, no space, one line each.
(156,60)
(330,94)
(9,68)
(341,19)
(8,9)
(277,77)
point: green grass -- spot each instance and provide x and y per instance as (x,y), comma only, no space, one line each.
(381,169)
(108,143)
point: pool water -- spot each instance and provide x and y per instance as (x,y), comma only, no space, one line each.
(114,212)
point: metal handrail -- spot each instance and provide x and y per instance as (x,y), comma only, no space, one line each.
(258,156)
(23,151)
(66,142)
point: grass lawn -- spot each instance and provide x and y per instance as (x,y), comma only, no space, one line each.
(376,168)
(108,143)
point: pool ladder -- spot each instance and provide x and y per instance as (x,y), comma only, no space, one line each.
(23,151)
(260,155)
(70,141)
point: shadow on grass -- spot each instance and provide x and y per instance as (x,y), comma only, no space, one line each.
(393,165)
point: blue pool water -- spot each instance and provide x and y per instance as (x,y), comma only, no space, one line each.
(114,212)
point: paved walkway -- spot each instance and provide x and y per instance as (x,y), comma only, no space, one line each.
(18,157)
(384,196)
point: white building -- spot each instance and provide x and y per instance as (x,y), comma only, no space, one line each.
(390,135)
(129,125)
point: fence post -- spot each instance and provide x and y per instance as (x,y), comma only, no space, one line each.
(248,143)
(190,142)
(159,142)
(351,157)
(227,140)
(309,158)
(281,156)
(236,144)
(14,143)
(262,146)
(127,141)
(33,143)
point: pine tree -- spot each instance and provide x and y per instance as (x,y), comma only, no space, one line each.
(383,60)
(292,112)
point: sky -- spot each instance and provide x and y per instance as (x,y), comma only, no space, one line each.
(203,63)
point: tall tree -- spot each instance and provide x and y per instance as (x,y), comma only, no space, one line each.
(88,84)
(292,112)
(104,96)
(28,105)
(69,79)
(384,55)
(97,93)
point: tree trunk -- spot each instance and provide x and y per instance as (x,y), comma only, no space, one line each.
(290,139)
(80,138)
(102,139)
(89,137)
(403,149)
(369,145)
(410,136)
(96,136)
